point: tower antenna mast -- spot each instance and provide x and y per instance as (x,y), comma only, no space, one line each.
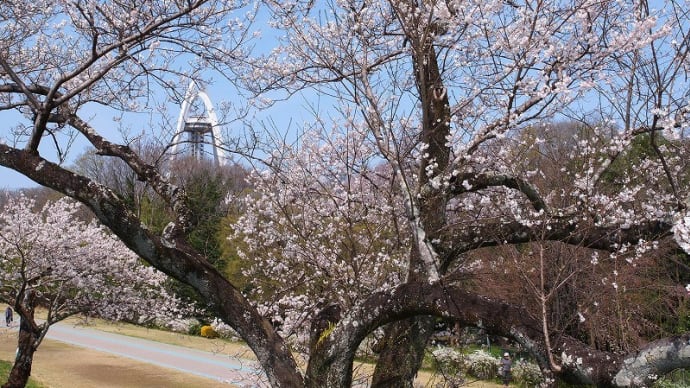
(193,129)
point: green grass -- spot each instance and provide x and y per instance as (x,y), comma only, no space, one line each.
(5,368)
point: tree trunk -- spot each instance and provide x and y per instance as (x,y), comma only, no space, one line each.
(21,370)
(405,341)
(403,352)
(29,339)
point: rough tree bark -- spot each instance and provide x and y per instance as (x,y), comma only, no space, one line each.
(403,354)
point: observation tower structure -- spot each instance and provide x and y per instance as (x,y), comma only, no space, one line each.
(197,128)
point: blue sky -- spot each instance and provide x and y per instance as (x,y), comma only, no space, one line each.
(101,118)
(288,116)
(285,115)
(9,179)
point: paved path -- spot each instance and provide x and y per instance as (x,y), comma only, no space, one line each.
(216,366)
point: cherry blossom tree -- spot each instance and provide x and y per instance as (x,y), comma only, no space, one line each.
(57,57)
(320,228)
(446,87)
(435,90)
(51,259)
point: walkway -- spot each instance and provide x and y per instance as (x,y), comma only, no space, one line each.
(216,366)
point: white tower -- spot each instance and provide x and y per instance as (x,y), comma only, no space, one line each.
(193,128)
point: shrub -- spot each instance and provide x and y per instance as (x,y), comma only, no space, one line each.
(224,330)
(679,378)
(208,332)
(184,325)
(669,384)
(447,361)
(482,365)
(194,328)
(527,374)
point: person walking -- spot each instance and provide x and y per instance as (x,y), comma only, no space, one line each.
(506,365)
(8,316)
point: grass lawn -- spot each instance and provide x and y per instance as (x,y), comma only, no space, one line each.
(5,367)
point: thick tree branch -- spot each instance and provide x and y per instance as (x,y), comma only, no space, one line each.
(172,194)
(567,230)
(40,109)
(660,357)
(474,182)
(579,362)
(178,260)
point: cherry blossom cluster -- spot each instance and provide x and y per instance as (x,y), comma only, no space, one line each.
(76,266)
(321,230)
